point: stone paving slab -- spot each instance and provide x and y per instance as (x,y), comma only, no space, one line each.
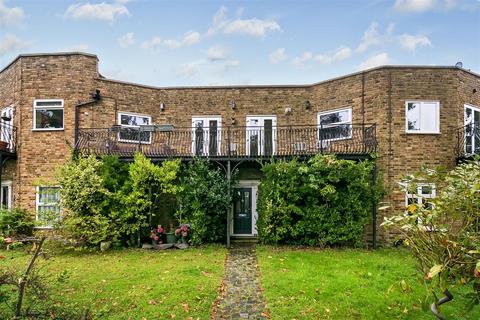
(241,296)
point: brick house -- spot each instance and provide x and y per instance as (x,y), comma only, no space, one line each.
(407,115)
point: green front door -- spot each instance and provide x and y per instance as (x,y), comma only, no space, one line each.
(242,216)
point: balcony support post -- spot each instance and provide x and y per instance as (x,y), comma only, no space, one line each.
(374,206)
(229,210)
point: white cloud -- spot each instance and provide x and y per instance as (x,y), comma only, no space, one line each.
(152,44)
(253,27)
(98,11)
(410,42)
(126,40)
(216,53)
(278,55)
(305,57)
(81,47)
(375,61)
(10,15)
(372,37)
(340,54)
(189,38)
(414,5)
(11,43)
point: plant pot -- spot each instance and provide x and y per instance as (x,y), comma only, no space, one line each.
(183,240)
(170,237)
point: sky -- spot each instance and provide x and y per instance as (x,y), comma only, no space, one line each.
(200,42)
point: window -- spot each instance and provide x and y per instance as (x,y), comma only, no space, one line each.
(420,196)
(131,130)
(472,129)
(422,116)
(48,115)
(335,125)
(6,195)
(48,206)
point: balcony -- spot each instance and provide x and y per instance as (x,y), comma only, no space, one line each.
(7,139)
(468,141)
(163,142)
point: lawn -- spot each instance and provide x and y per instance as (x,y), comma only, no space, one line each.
(347,284)
(123,284)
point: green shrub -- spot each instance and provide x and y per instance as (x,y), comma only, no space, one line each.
(204,201)
(15,222)
(323,201)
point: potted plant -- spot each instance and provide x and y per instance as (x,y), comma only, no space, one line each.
(182,233)
(156,234)
(170,236)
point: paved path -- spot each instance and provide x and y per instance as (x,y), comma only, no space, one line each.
(241,297)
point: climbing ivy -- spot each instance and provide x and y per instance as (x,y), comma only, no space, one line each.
(321,202)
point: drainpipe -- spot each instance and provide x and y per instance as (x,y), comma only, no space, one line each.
(374,207)
(229,180)
(95,98)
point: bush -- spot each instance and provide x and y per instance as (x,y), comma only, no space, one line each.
(444,237)
(107,200)
(323,201)
(15,222)
(204,201)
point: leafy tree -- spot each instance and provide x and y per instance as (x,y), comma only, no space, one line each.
(324,201)
(444,236)
(204,201)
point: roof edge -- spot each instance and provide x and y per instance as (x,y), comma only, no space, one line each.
(28,55)
(305,86)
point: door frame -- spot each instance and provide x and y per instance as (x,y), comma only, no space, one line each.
(262,133)
(206,131)
(474,108)
(253,184)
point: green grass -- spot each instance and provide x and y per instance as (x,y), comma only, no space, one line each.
(347,284)
(125,284)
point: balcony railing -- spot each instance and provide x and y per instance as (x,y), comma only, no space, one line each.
(228,142)
(7,138)
(468,141)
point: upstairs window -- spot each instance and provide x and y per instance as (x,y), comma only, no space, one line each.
(131,130)
(48,206)
(422,116)
(48,114)
(335,124)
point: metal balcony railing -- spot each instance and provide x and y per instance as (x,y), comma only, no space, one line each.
(468,141)
(228,142)
(7,138)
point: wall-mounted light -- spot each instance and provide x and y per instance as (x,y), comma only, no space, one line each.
(162,106)
(233,121)
(233,104)
(288,110)
(308,105)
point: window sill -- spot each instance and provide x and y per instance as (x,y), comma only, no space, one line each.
(52,129)
(419,132)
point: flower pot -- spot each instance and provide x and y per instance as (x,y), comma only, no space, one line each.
(170,237)
(183,240)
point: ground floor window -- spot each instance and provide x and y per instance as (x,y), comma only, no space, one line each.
(6,195)
(48,205)
(421,195)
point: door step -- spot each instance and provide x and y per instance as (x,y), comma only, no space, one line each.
(244,239)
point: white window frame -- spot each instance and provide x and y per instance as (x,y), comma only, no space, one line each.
(38,205)
(322,113)
(420,131)
(7,184)
(54,108)
(206,130)
(421,196)
(119,119)
(471,122)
